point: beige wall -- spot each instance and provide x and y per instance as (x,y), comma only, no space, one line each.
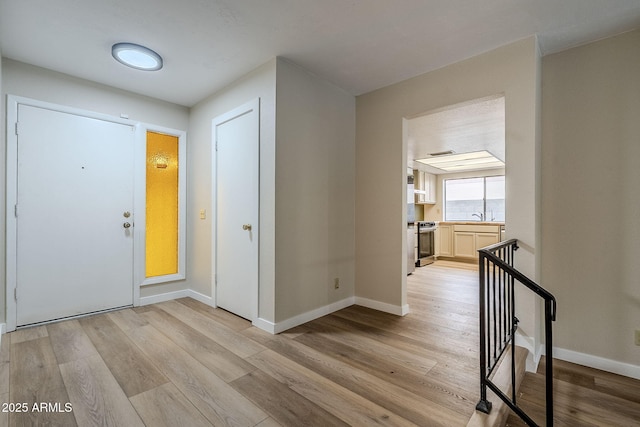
(260,83)
(591,196)
(315,192)
(307,189)
(381,164)
(44,85)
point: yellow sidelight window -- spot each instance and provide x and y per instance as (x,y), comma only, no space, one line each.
(162,205)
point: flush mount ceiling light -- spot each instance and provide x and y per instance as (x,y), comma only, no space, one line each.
(136,56)
(463,161)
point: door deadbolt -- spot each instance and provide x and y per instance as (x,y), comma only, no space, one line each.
(126,225)
(246,227)
(126,214)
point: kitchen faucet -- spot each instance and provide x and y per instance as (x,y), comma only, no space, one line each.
(479,215)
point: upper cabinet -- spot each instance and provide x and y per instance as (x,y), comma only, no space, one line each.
(425,187)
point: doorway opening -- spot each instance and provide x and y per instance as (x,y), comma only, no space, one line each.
(456,155)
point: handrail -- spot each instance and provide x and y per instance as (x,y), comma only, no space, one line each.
(489,252)
(498,324)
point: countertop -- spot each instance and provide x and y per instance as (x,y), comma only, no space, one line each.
(469,223)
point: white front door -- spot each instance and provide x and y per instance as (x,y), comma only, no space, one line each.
(236,135)
(75,185)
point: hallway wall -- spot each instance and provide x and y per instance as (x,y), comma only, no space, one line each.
(591,201)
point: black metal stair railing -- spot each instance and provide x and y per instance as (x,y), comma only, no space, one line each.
(498,324)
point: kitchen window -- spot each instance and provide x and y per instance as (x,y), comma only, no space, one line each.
(474,199)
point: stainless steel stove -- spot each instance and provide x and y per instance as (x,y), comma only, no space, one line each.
(426,243)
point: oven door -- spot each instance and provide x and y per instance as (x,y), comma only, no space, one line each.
(426,247)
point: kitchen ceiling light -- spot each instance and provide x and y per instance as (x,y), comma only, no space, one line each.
(463,161)
(136,56)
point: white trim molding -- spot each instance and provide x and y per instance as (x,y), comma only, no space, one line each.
(383,306)
(201,297)
(277,327)
(141,204)
(167,296)
(596,362)
(265,325)
(183,293)
(533,358)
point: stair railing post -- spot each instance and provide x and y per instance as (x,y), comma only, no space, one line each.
(483,405)
(549,316)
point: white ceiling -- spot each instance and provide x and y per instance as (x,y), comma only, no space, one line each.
(463,128)
(359,45)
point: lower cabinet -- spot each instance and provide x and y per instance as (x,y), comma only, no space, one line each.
(443,241)
(468,239)
(463,240)
(464,244)
(486,239)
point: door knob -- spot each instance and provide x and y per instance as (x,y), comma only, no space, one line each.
(126,214)
(246,227)
(126,225)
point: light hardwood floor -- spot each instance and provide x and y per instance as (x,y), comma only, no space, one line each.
(183,363)
(583,397)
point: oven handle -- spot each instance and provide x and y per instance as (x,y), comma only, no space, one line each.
(430,230)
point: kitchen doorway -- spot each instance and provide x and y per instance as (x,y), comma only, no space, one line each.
(461,142)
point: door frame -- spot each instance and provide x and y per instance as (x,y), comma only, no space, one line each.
(12,194)
(140,206)
(248,107)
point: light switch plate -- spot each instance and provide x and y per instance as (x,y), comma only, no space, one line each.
(637,336)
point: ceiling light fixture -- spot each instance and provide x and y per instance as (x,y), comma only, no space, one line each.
(441,153)
(136,56)
(463,161)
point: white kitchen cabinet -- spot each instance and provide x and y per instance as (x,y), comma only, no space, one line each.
(464,244)
(486,239)
(468,239)
(444,244)
(425,187)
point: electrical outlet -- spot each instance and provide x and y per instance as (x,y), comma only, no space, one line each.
(637,336)
(336,284)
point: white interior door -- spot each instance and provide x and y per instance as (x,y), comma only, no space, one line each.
(75,183)
(236,135)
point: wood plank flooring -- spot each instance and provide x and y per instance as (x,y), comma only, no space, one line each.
(582,397)
(181,363)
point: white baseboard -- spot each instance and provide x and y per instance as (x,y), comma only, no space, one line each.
(533,358)
(277,327)
(596,362)
(383,306)
(265,325)
(201,297)
(613,366)
(168,296)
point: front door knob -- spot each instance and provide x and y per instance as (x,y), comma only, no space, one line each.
(126,225)
(246,227)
